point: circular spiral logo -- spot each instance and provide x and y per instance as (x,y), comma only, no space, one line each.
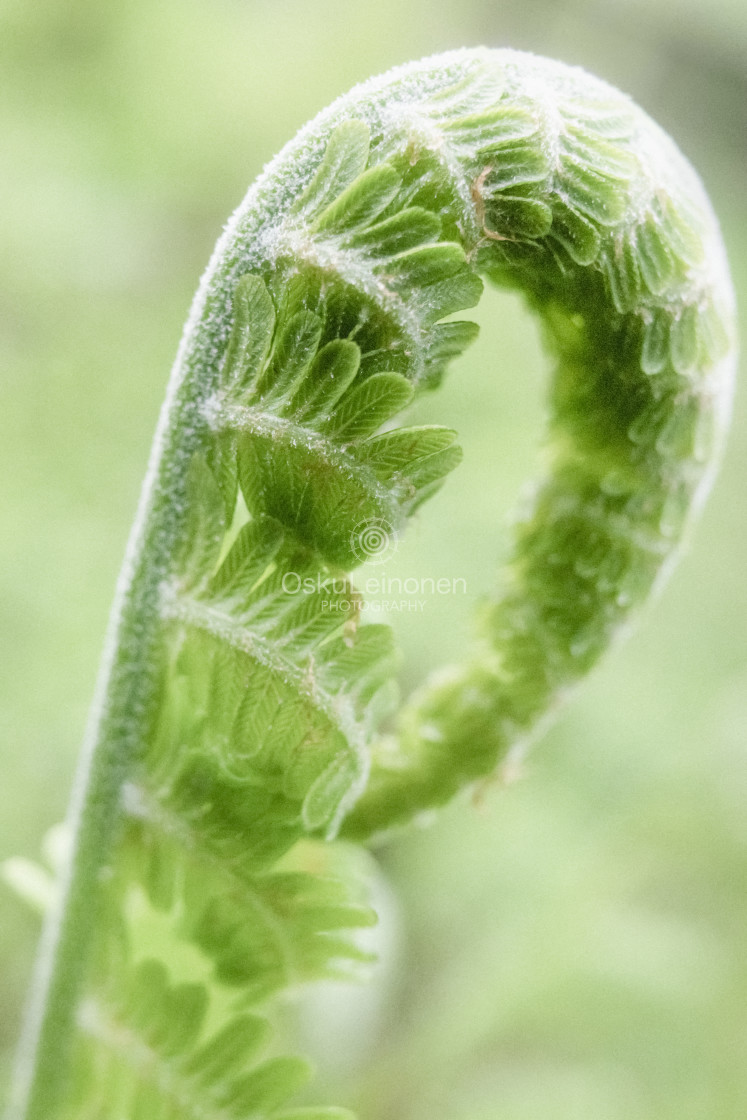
(373,541)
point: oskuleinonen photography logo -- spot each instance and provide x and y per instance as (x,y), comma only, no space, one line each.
(373,541)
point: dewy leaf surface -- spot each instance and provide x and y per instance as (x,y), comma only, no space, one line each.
(238,728)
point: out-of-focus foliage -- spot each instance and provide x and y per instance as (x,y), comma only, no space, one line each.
(575,944)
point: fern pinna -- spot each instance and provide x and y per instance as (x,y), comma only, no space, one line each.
(237,728)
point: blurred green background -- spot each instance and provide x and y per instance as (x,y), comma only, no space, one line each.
(574,946)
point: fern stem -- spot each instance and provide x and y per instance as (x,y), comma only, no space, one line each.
(117,731)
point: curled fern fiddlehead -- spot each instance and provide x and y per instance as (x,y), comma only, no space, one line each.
(237,728)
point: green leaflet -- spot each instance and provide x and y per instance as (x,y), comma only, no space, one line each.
(484,130)
(253,324)
(578,235)
(445,342)
(344,161)
(334,368)
(239,731)
(396,452)
(294,352)
(368,406)
(362,202)
(406,230)
(230,1049)
(513,215)
(251,553)
(424,266)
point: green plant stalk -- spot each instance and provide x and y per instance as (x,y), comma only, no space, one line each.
(114,739)
(533,175)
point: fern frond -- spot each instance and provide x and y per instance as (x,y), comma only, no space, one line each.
(238,729)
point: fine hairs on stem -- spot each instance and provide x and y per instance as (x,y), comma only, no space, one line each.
(235,766)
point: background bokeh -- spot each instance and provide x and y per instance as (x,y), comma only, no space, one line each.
(574,945)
